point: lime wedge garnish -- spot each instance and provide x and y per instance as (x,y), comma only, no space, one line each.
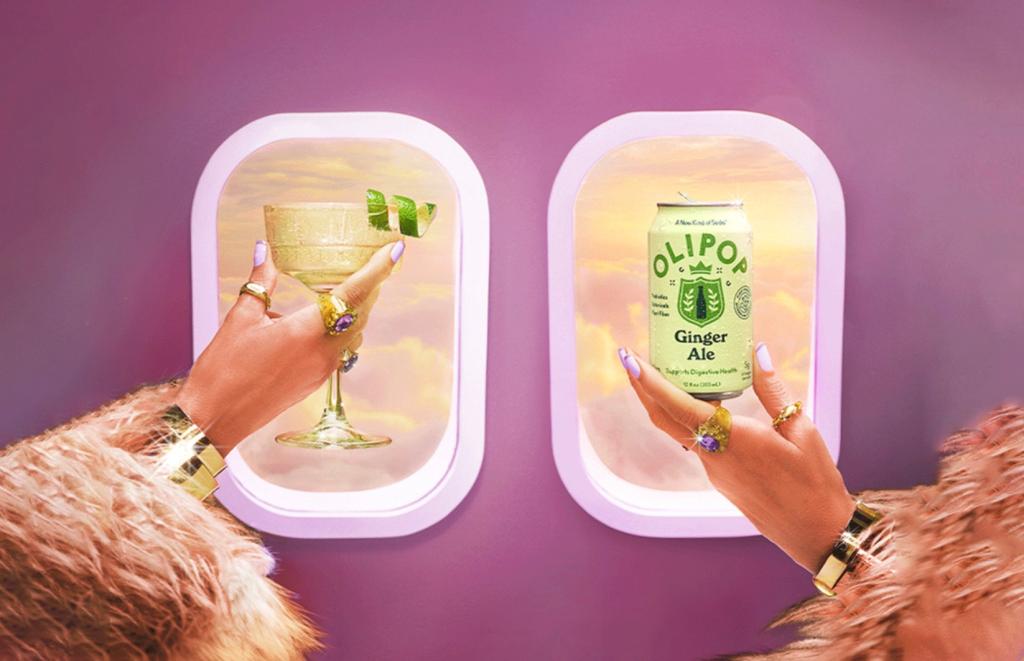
(413,220)
(377,209)
(425,214)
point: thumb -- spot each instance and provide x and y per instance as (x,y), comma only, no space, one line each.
(770,388)
(263,273)
(359,287)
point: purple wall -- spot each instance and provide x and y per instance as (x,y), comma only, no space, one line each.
(109,116)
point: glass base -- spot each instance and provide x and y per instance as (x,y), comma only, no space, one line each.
(332,432)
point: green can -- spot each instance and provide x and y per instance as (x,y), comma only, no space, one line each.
(701,302)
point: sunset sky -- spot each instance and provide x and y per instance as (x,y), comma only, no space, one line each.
(402,384)
(614,209)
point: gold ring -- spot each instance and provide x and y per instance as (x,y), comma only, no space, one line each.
(257,290)
(713,434)
(337,315)
(786,413)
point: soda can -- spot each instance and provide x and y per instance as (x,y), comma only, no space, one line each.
(701,303)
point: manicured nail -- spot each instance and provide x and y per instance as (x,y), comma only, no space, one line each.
(764,359)
(396,252)
(629,363)
(259,253)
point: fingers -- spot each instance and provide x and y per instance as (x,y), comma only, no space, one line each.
(359,292)
(367,305)
(307,321)
(688,412)
(770,388)
(775,396)
(361,285)
(263,273)
(661,419)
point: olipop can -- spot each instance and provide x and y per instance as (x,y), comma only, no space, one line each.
(699,277)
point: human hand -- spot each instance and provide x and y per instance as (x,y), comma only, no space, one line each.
(260,363)
(782,480)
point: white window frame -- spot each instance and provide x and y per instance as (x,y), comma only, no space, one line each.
(605,496)
(433,491)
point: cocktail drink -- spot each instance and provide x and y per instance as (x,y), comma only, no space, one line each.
(321,245)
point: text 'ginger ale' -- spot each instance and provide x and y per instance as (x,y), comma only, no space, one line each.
(699,270)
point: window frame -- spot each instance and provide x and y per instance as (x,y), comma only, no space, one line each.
(607,497)
(427,496)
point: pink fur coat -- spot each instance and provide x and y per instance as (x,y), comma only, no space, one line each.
(100,560)
(943,577)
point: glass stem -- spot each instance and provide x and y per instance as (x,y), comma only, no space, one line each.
(335,407)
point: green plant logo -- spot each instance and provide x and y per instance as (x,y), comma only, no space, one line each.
(701,300)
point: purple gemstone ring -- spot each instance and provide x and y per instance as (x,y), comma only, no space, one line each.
(348,360)
(337,315)
(713,434)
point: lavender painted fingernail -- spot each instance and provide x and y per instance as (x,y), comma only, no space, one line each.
(764,359)
(629,363)
(259,253)
(396,252)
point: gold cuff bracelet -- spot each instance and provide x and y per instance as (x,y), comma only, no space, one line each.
(845,550)
(188,458)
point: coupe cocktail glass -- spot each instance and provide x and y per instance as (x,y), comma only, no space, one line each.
(321,245)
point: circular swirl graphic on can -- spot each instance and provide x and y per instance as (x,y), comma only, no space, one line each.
(742,302)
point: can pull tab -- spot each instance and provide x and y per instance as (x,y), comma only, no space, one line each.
(685,197)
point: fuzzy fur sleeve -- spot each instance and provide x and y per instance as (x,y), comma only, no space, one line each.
(942,577)
(100,559)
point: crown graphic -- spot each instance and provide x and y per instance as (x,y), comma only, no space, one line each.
(700,268)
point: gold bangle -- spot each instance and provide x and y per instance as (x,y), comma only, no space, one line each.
(846,548)
(188,458)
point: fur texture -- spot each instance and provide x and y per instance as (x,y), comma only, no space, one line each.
(942,576)
(100,559)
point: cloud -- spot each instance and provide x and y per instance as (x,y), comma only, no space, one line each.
(598,371)
(635,450)
(402,390)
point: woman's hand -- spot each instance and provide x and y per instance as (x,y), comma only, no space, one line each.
(783,481)
(260,363)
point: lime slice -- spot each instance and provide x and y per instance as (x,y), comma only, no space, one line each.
(425,214)
(377,209)
(413,220)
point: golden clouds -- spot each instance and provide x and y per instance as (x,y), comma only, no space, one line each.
(598,370)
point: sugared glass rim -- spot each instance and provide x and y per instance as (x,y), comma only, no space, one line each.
(317,205)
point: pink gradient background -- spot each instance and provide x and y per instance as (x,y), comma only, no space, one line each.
(111,113)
